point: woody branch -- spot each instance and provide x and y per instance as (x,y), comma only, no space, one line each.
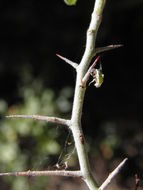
(55,120)
(75,122)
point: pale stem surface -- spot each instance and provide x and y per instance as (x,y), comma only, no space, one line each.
(75,122)
(80,92)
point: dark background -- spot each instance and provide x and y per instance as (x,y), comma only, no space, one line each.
(32,32)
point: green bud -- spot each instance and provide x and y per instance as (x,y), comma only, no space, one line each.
(70,2)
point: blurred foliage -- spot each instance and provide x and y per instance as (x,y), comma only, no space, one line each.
(27,144)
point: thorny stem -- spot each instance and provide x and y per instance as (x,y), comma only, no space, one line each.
(75,122)
(80,92)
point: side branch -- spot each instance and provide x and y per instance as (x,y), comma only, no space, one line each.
(44,173)
(43,118)
(112,175)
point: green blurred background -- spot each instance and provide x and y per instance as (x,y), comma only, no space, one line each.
(34,81)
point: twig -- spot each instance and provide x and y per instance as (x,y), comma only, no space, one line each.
(87,75)
(106,48)
(44,173)
(112,175)
(137,182)
(73,64)
(42,118)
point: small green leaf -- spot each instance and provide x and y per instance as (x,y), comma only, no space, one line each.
(70,2)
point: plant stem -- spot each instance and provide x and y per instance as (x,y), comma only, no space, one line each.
(44,173)
(75,122)
(55,120)
(80,92)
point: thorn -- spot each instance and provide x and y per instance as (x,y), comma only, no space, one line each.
(137,181)
(112,175)
(73,64)
(107,48)
(95,62)
(87,75)
(61,57)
